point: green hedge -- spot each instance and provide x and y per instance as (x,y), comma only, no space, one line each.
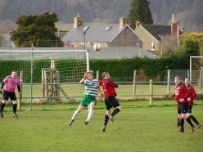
(120,70)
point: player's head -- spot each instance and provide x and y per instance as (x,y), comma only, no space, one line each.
(91,71)
(106,75)
(14,73)
(89,75)
(177,80)
(187,81)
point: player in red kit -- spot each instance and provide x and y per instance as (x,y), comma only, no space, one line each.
(181,94)
(109,93)
(190,98)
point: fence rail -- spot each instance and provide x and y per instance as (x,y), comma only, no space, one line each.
(126,90)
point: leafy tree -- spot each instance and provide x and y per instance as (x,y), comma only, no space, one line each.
(191,48)
(140,11)
(37,29)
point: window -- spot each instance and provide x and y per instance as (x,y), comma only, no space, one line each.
(152,46)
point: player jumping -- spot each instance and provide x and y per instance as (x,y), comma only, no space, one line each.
(190,98)
(181,94)
(11,82)
(110,100)
(89,98)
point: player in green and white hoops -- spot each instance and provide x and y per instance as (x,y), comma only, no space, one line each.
(89,98)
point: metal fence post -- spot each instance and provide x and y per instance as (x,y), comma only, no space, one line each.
(168,81)
(97,75)
(200,79)
(150,91)
(134,83)
(21,86)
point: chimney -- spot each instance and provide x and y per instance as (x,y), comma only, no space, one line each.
(77,21)
(174,25)
(137,23)
(123,21)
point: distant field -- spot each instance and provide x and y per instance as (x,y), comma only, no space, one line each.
(76,91)
(138,128)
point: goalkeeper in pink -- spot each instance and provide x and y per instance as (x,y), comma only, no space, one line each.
(11,82)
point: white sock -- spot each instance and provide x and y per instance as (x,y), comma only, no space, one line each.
(90,115)
(74,115)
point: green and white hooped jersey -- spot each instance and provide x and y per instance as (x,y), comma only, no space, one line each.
(91,87)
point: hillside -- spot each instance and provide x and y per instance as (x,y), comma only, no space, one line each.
(188,12)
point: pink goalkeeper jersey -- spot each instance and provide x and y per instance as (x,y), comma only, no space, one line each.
(11,83)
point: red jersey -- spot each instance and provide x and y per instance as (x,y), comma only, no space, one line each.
(181,93)
(191,94)
(108,87)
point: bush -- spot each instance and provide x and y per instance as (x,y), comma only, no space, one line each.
(120,70)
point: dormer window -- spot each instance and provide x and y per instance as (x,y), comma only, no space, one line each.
(108,28)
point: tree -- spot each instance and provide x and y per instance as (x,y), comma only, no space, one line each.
(139,11)
(191,48)
(38,30)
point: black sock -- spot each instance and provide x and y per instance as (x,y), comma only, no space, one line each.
(189,121)
(115,112)
(182,124)
(14,108)
(106,120)
(194,119)
(178,124)
(2,107)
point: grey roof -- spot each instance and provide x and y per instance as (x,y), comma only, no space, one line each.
(120,52)
(104,53)
(157,30)
(94,33)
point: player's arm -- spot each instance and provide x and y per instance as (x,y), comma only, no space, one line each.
(83,79)
(193,93)
(19,90)
(2,85)
(171,95)
(100,92)
(113,84)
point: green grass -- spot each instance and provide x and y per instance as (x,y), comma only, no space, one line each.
(77,90)
(138,128)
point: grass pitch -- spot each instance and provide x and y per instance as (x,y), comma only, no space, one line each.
(138,128)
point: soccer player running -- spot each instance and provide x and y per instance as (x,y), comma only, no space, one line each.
(181,94)
(190,98)
(89,98)
(110,100)
(11,82)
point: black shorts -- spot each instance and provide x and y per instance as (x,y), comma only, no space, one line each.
(182,108)
(10,95)
(110,102)
(189,109)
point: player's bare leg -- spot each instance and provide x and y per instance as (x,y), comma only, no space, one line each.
(80,107)
(90,113)
(2,107)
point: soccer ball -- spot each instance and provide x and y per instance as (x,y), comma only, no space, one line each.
(97,47)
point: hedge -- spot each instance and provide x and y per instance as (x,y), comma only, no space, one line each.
(120,70)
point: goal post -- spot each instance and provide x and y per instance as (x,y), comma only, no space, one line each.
(196,70)
(70,66)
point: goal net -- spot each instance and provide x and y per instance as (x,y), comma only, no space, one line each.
(47,74)
(196,72)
